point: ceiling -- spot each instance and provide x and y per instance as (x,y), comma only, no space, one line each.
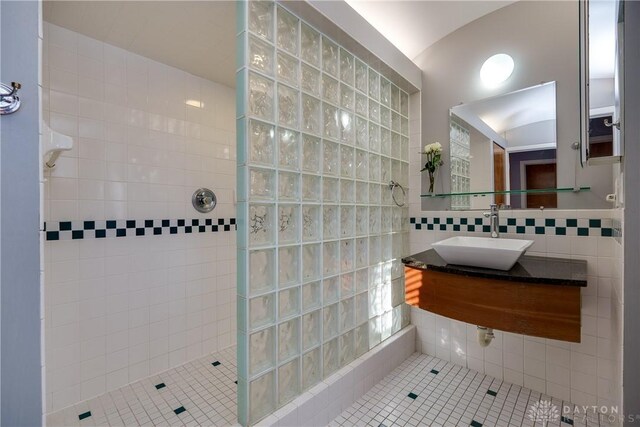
(515,109)
(195,36)
(413,26)
(199,36)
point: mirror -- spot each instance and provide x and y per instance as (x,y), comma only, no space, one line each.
(601,109)
(505,144)
(542,39)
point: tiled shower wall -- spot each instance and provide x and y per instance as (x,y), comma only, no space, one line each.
(587,373)
(163,291)
(320,240)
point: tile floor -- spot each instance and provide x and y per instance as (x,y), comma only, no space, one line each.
(423,391)
(426,391)
(198,393)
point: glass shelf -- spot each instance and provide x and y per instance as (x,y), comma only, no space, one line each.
(489,193)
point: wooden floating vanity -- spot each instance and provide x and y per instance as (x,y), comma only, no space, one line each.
(538,296)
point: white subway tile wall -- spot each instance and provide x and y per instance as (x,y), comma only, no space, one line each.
(146,137)
(324,135)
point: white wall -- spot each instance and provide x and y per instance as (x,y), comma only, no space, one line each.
(481,169)
(542,39)
(119,309)
(601,93)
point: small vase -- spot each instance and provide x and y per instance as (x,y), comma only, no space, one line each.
(432,181)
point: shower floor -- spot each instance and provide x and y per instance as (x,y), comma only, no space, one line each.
(427,391)
(423,391)
(199,393)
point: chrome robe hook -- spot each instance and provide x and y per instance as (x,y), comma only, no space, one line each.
(9,99)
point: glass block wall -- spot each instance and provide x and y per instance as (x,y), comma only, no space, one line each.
(460,165)
(320,136)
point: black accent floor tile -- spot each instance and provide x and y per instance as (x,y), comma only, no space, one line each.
(216,363)
(566,420)
(433,371)
(382,425)
(84,415)
(412,395)
(161,385)
(474,423)
(179,410)
(492,393)
(236,382)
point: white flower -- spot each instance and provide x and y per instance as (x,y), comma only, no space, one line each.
(435,148)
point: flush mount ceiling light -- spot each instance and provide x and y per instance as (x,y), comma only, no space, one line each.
(496,69)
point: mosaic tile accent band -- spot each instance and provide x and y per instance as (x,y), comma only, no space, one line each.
(548,226)
(73,230)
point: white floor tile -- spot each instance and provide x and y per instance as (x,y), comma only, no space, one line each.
(206,392)
(427,391)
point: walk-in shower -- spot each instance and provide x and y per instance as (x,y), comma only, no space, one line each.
(144,213)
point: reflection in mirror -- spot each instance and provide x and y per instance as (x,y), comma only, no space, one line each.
(603,140)
(505,143)
(542,38)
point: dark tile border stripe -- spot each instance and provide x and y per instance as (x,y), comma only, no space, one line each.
(540,226)
(75,230)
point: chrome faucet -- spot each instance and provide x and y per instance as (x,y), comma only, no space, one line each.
(494,220)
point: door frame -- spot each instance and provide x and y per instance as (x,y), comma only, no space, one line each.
(523,176)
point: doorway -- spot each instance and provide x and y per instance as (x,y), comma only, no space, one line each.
(539,176)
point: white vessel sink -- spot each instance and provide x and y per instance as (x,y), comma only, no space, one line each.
(485,252)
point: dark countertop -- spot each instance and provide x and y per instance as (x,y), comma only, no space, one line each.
(529,269)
